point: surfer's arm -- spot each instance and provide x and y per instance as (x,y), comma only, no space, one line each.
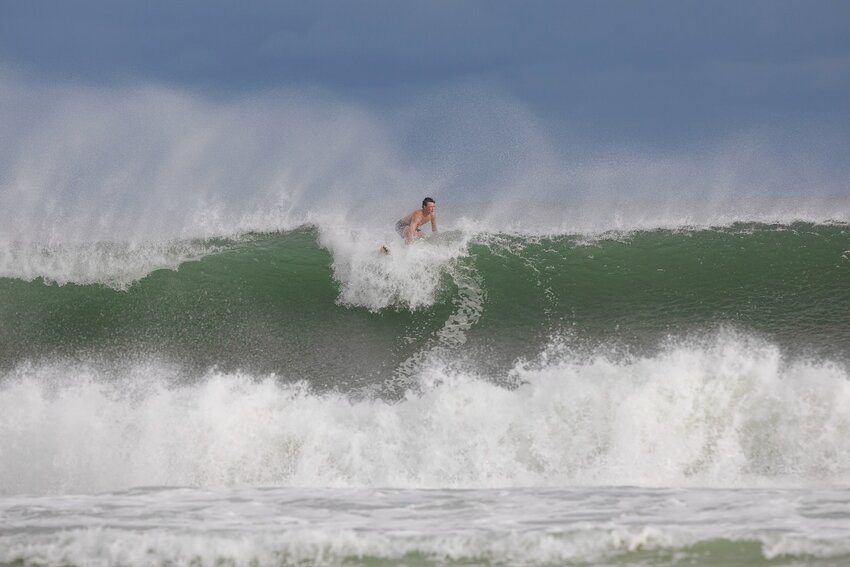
(434,223)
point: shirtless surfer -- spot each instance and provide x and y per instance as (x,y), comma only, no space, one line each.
(408,227)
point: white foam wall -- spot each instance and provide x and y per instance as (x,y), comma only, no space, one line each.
(727,412)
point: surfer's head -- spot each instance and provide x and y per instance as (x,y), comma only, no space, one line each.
(428,201)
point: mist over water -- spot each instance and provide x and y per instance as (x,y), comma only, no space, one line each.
(147,162)
(109,184)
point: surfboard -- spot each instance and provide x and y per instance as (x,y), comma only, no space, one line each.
(430,238)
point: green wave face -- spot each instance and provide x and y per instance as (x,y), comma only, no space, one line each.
(274,303)
(788,283)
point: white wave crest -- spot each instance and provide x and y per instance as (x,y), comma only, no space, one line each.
(333,546)
(727,413)
(115,264)
(321,547)
(397,275)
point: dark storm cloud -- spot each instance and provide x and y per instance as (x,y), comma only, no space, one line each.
(614,66)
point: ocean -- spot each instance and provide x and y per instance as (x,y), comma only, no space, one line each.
(655,395)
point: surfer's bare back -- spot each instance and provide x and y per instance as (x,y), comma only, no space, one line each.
(408,227)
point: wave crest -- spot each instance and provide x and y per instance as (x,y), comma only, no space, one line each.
(727,413)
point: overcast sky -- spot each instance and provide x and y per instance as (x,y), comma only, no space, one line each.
(652,72)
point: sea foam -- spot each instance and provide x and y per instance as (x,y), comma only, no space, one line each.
(376,269)
(729,411)
(114,264)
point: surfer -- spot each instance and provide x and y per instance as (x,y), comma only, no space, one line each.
(408,227)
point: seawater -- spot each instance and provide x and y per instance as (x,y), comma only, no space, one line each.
(322,526)
(675,395)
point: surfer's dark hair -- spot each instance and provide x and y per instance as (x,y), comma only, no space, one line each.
(427,200)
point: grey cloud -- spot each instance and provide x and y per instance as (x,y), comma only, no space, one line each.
(649,70)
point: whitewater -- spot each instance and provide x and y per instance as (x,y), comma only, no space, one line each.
(205,359)
(299,397)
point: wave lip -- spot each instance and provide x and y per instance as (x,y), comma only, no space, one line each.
(113,264)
